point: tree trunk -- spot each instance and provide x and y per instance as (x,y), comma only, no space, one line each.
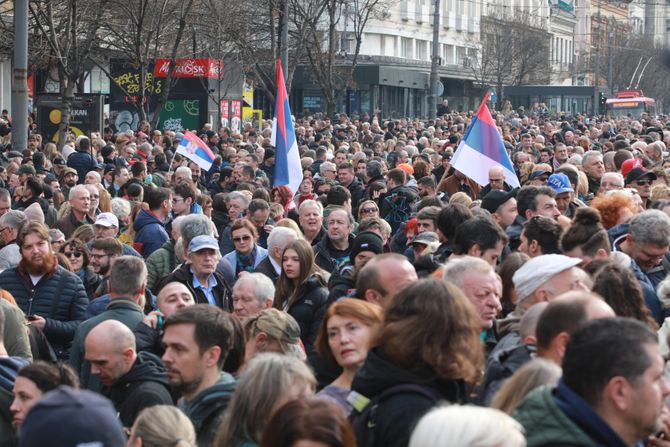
(67,98)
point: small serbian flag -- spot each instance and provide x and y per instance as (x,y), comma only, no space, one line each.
(288,170)
(482,148)
(196,150)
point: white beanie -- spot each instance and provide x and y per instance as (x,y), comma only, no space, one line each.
(538,271)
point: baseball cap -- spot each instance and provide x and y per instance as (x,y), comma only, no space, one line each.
(201,242)
(638,173)
(282,327)
(560,183)
(425,238)
(107,220)
(67,171)
(58,161)
(492,201)
(539,270)
(366,241)
(536,174)
(67,418)
(629,164)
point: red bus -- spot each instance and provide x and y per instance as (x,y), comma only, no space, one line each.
(630,102)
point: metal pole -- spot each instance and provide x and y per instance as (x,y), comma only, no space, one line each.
(610,74)
(596,73)
(433,97)
(20,77)
(284,41)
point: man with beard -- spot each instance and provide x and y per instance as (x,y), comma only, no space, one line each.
(53,299)
(197,340)
(104,252)
(68,179)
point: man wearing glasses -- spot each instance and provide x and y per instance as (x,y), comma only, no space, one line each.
(640,179)
(104,252)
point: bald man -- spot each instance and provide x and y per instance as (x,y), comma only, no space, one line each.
(131,381)
(496,181)
(172,297)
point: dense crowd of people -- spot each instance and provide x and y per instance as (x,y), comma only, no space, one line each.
(389,301)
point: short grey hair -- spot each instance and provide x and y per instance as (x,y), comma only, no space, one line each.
(589,154)
(75,191)
(195,225)
(121,207)
(280,237)
(183,170)
(455,269)
(264,289)
(619,178)
(128,275)
(14,219)
(326,166)
(237,195)
(307,203)
(651,227)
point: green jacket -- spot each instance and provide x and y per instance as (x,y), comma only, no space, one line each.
(124,310)
(546,425)
(160,264)
(15,331)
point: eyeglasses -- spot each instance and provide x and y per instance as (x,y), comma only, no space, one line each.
(369,210)
(643,182)
(243,238)
(73,254)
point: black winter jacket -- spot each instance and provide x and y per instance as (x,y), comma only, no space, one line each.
(327,256)
(145,385)
(59,297)
(397,415)
(222,292)
(309,310)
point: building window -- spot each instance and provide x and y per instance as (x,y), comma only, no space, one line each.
(406,48)
(421,50)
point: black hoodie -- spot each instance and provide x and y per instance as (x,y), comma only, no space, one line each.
(397,415)
(145,385)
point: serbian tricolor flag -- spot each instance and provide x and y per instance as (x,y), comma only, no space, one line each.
(196,150)
(482,148)
(288,170)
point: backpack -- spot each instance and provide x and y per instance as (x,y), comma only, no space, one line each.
(364,415)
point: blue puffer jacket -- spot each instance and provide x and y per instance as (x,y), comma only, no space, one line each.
(82,162)
(150,234)
(62,310)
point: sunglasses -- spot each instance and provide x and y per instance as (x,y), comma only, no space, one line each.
(369,210)
(240,239)
(73,254)
(643,182)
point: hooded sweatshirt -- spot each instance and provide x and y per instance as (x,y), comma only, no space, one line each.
(145,385)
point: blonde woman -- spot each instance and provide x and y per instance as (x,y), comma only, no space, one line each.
(270,381)
(162,425)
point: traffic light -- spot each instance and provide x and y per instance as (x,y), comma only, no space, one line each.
(602,101)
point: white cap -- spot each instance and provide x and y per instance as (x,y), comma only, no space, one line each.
(107,220)
(539,270)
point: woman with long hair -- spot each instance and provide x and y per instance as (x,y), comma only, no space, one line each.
(270,381)
(347,332)
(78,256)
(301,290)
(284,196)
(162,425)
(426,351)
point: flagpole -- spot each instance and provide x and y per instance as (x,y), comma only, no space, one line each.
(171,161)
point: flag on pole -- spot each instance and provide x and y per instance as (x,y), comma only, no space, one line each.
(196,150)
(288,170)
(482,148)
